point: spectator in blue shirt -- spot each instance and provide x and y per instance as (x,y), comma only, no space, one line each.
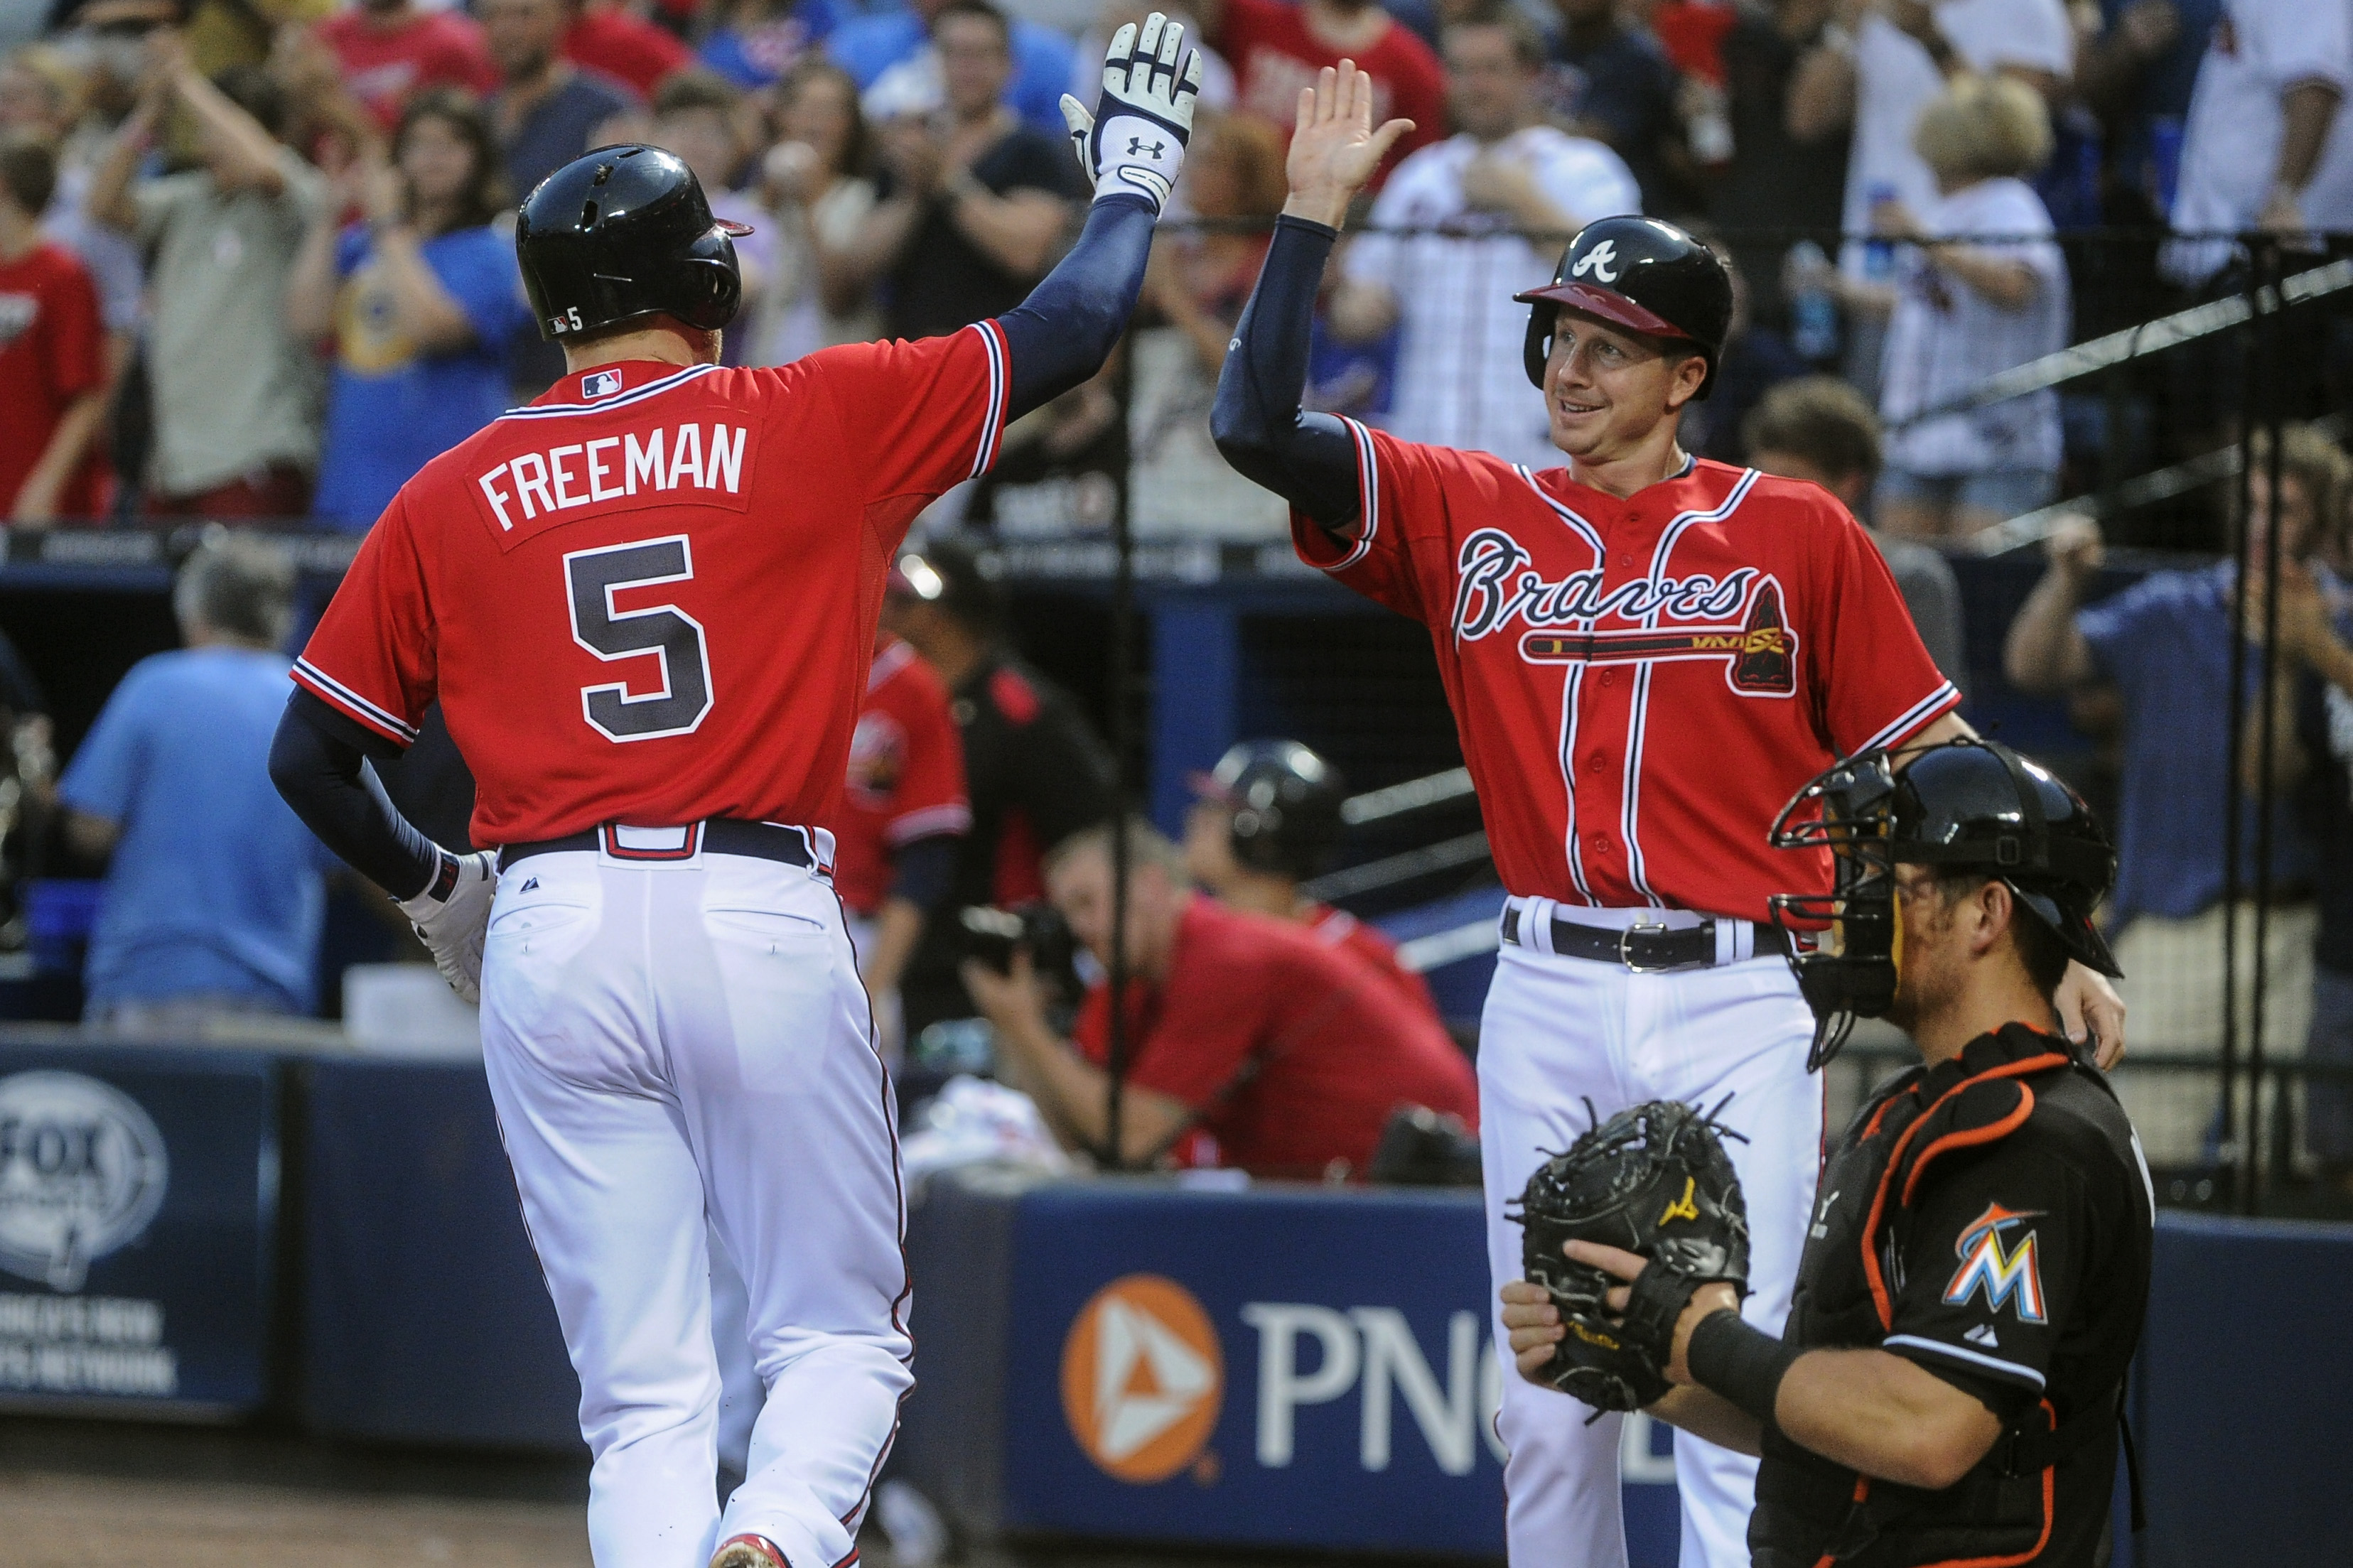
(215,894)
(758,42)
(422,302)
(2164,646)
(1043,60)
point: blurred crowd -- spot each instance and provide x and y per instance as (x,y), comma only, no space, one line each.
(254,263)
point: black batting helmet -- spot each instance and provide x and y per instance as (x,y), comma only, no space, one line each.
(1642,274)
(1286,804)
(1969,804)
(625,232)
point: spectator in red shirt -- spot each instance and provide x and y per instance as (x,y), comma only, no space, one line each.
(606,35)
(52,354)
(1250,1042)
(1276,49)
(904,817)
(1268,818)
(389,51)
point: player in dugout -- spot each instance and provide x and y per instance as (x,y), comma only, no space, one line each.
(1950,1381)
(1250,1042)
(1268,818)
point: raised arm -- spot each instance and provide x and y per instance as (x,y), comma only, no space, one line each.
(2045,651)
(1309,460)
(1131,147)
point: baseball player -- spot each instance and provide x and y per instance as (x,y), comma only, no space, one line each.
(1949,1386)
(647,606)
(904,817)
(1267,819)
(1646,655)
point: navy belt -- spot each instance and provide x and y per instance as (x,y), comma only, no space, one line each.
(720,835)
(1644,948)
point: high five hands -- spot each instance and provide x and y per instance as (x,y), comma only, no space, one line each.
(1335,149)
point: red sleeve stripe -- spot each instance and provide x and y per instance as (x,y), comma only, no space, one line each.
(992,422)
(925,822)
(335,694)
(1914,717)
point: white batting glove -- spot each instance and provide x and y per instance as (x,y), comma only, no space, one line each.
(1135,141)
(451,915)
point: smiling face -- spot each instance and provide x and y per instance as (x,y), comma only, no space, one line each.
(1606,388)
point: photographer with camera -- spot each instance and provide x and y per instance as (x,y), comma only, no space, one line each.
(1250,1042)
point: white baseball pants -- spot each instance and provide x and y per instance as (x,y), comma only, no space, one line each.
(1557,1031)
(679,1044)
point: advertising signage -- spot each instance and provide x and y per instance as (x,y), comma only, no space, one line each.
(138,1211)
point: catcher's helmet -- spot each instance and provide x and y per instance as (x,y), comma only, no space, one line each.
(625,232)
(1642,274)
(1286,804)
(1970,805)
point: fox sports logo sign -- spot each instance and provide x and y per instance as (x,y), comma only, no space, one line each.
(83,1172)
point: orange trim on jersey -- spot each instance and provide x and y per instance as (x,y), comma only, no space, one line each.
(1969,1138)
(2049,1496)
(1861,1495)
(1880,1298)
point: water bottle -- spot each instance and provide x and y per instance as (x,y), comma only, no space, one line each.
(1813,312)
(1878,254)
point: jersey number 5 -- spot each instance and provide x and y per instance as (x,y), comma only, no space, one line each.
(592,577)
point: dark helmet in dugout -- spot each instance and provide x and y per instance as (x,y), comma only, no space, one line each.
(622,233)
(1285,800)
(1970,805)
(1638,273)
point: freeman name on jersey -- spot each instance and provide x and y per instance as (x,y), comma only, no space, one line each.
(613,467)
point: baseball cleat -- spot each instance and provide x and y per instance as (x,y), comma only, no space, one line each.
(748,1551)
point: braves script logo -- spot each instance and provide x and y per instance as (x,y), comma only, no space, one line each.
(1602,261)
(1142,1378)
(1742,616)
(2007,1275)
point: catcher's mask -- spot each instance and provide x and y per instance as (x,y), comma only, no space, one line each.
(1970,804)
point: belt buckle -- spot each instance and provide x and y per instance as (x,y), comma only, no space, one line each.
(1626,947)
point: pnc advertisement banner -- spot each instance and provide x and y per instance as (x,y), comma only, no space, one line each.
(138,1214)
(1271,1367)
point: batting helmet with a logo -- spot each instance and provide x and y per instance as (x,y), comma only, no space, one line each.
(622,233)
(1642,274)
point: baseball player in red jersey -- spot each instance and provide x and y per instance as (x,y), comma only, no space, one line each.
(1268,818)
(646,605)
(904,809)
(1646,655)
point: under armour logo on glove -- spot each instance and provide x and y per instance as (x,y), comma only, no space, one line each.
(1602,261)
(1147,103)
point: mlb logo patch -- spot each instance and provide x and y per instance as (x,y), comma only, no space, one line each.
(600,384)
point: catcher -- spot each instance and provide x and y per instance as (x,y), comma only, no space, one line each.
(1949,1386)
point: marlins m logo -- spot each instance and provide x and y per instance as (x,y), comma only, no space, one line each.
(1602,261)
(2007,1274)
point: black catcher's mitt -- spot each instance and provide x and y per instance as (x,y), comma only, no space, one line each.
(1653,1179)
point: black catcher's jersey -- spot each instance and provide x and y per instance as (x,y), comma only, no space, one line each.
(1989,1219)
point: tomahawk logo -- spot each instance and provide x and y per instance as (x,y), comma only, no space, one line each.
(2005,1274)
(1602,261)
(1142,1378)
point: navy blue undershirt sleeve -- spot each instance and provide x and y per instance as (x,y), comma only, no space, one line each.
(1066,329)
(323,771)
(922,868)
(1309,460)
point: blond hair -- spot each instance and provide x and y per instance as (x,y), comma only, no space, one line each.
(1983,128)
(1147,845)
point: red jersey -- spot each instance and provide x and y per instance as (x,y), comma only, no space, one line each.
(1275,55)
(52,352)
(906,775)
(1343,932)
(650,597)
(1293,1055)
(386,66)
(625,47)
(1640,685)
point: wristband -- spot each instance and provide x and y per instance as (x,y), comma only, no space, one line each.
(1743,1364)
